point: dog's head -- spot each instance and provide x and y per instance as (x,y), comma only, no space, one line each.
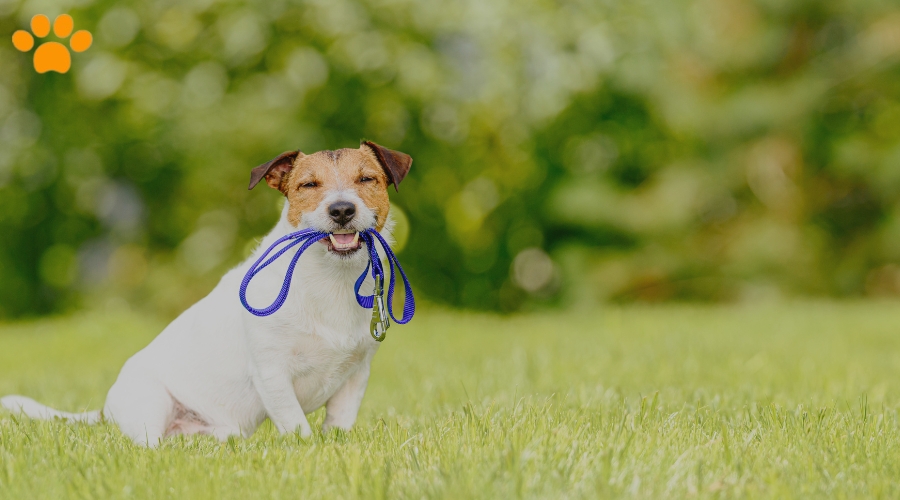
(340,192)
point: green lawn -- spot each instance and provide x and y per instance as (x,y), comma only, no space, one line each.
(776,401)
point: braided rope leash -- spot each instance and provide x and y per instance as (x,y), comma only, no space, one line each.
(380,312)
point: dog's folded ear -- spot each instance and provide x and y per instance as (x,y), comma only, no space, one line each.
(395,164)
(275,171)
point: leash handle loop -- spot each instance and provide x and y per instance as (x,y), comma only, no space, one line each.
(409,302)
(367,301)
(307,238)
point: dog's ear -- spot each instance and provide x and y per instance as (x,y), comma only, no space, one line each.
(275,171)
(395,164)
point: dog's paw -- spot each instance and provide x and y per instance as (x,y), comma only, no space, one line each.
(336,434)
(328,427)
(305,432)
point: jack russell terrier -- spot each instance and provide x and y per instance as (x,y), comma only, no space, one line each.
(219,370)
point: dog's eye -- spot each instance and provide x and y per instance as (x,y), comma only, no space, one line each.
(309,185)
(366,179)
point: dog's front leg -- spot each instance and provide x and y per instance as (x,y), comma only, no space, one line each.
(342,408)
(276,389)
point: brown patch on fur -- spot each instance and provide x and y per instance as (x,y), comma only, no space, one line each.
(274,171)
(311,169)
(306,179)
(374,194)
(341,169)
(395,164)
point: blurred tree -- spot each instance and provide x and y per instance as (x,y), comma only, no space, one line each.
(574,151)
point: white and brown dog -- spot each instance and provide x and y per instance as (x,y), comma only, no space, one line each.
(219,370)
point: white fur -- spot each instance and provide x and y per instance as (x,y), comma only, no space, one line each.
(219,370)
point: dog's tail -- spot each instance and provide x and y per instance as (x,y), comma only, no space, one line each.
(33,409)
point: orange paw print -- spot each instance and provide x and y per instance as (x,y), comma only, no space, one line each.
(52,56)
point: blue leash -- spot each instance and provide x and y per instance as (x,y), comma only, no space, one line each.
(380,313)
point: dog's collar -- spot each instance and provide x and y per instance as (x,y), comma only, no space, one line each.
(380,313)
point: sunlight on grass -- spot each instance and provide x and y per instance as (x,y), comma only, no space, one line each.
(674,401)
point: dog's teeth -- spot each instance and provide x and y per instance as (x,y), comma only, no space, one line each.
(343,246)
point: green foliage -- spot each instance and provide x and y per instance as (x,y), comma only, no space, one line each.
(645,402)
(573,151)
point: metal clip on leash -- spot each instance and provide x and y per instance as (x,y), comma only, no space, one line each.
(380,319)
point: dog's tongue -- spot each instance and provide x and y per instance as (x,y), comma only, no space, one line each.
(343,239)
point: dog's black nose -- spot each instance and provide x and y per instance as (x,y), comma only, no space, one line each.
(342,212)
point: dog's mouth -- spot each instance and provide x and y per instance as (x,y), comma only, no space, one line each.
(342,242)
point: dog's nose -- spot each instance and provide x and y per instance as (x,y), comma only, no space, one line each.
(342,212)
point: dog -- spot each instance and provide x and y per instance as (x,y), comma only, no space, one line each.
(219,370)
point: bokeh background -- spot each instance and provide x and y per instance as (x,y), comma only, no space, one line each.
(567,153)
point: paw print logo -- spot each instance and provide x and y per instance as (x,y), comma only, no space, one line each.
(52,56)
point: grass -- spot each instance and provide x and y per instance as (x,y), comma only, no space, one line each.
(773,401)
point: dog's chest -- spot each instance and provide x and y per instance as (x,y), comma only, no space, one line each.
(320,366)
